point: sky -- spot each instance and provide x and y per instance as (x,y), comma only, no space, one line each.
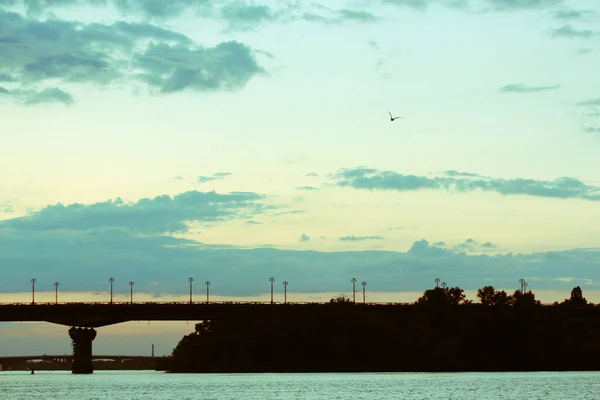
(232,141)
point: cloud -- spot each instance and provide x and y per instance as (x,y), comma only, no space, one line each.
(38,53)
(572,14)
(415,4)
(33,97)
(304,238)
(214,177)
(372,179)
(592,129)
(568,32)
(242,17)
(339,16)
(252,222)
(584,51)
(50,95)
(312,174)
(310,188)
(523,4)
(592,102)
(487,5)
(454,172)
(159,215)
(473,246)
(518,88)
(82,259)
(359,238)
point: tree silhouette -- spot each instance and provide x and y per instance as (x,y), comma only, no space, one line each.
(527,299)
(486,295)
(456,296)
(576,298)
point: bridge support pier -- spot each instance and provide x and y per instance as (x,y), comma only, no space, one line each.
(82,349)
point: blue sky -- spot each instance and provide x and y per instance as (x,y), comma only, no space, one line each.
(233,141)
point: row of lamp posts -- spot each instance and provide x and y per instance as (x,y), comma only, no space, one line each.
(56,285)
(364,290)
(207,283)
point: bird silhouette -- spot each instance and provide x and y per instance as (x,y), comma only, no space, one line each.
(392,118)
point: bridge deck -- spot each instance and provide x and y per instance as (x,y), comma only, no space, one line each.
(95,315)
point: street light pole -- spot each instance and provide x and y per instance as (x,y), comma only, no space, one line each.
(207,283)
(285,283)
(111,280)
(271,279)
(522,282)
(131,283)
(437,282)
(190,280)
(353,280)
(56,284)
(364,284)
(33,291)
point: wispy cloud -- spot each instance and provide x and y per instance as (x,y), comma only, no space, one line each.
(474,246)
(414,4)
(33,97)
(310,188)
(568,32)
(523,4)
(327,15)
(519,88)
(359,238)
(373,179)
(572,14)
(214,177)
(592,102)
(592,129)
(304,238)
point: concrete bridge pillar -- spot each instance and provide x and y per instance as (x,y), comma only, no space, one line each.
(82,349)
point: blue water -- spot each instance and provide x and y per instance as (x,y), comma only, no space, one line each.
(132,385)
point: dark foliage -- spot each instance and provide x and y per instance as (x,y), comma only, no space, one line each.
(441,332)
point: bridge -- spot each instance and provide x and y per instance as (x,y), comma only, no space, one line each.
(64,361)
(82,318)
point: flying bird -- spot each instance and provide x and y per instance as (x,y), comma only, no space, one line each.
(392,118)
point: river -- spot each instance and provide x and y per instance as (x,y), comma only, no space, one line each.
(133,385)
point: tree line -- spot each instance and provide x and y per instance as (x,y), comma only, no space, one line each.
(441,331)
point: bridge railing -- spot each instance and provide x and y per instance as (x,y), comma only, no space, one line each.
(62,303)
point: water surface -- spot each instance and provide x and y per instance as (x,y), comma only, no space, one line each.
(20,385)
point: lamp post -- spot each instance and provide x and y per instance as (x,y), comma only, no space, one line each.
(353,280)
(131,283)
(522,282)
(207,283)
(56,284)
(111,280)
(271,279)
(190,280)
(444,285)
(437,282)
(364,285)
(33,291)
(285,283)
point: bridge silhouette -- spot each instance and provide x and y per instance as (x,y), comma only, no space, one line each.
(83,318)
